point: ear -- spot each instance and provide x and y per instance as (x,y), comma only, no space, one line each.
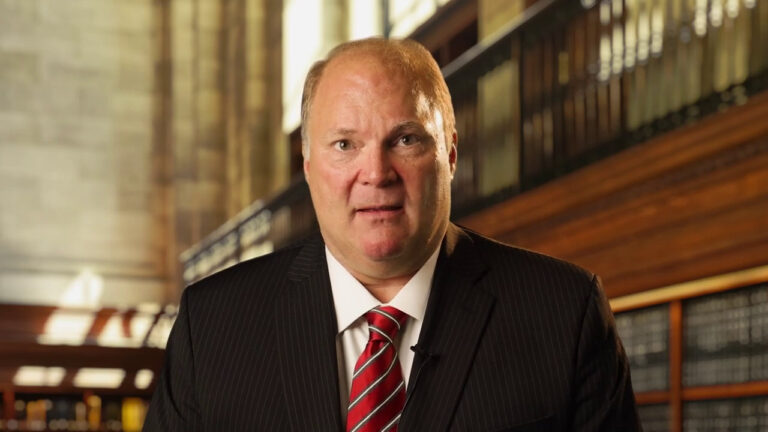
(306,169)
(452,153)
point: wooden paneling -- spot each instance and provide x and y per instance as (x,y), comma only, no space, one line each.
(8,400)
(723,261)
(71,390)
(758,388)
(694,288)
(690,204)
(72,358)
(652,398)
(21,326)
(14,355)
(579,233)
(22,322)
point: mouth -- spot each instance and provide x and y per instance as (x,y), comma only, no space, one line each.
(380,210)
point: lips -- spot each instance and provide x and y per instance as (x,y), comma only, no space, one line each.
(380,208)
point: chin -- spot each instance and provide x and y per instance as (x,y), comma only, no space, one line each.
(382,250)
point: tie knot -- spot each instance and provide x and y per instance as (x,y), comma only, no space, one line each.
(384,322)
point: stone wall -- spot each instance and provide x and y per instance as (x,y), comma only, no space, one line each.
(129,130)
(79,188)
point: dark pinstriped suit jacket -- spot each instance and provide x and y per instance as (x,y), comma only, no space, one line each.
(519,342)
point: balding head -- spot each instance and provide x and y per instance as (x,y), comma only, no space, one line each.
(406,58)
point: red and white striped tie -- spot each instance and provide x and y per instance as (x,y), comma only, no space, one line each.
(378,390)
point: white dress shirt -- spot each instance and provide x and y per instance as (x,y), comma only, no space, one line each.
(352,300)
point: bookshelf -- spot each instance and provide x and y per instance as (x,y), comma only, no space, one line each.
(85,411)
(655,418)
(742,414)
(91,379)
(645,334)
(699,356)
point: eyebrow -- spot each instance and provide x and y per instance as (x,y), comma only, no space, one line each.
(408,125)
(396,130)
(341,132)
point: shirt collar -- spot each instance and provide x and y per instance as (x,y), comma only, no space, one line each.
(352,300)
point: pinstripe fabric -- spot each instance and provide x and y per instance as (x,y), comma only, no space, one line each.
(524,342)
(253,348)
(518,342)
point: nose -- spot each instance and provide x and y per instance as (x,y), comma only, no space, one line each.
(376,167)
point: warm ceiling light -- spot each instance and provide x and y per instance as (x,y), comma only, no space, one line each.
(140,326)
(99,378)
(84,292)
(66,328)
(158,335)
(113,334)
(143,379)
(38,376)
(149,308)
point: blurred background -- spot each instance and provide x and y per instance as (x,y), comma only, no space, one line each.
(145,144)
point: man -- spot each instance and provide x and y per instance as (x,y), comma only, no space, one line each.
(392,318)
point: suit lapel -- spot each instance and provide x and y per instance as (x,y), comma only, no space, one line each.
(455,320)
(306,330)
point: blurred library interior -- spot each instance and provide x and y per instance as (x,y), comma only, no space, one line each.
(145,144)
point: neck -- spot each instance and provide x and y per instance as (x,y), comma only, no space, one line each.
(384,279)
(386,290)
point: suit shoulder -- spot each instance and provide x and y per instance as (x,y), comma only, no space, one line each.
(531,265)
(256,273)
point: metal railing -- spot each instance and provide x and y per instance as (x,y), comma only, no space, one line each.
(257,230)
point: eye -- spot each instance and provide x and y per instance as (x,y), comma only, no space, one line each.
(342,145)
(407,140)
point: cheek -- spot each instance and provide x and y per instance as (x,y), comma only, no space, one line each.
(332,183)
(421,183)
(437,185)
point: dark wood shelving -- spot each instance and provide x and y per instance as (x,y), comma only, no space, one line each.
(749,282)
(676,364)
(722,391)
(652,397)
(725,391)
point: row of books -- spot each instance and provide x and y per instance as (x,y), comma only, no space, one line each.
(725,340)
(743,415)
(75,413)
(735,369)
(654,418)
(726,337)
(624,64)
(645,335)
(587,82)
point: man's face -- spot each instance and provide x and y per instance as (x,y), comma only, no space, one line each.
(378,169)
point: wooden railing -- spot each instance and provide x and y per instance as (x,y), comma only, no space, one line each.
(565,84)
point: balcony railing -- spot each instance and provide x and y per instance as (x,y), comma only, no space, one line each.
(563,85)
(572,82)
(258,230)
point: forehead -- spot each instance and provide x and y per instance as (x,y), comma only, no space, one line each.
(356,81)
(362,72)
